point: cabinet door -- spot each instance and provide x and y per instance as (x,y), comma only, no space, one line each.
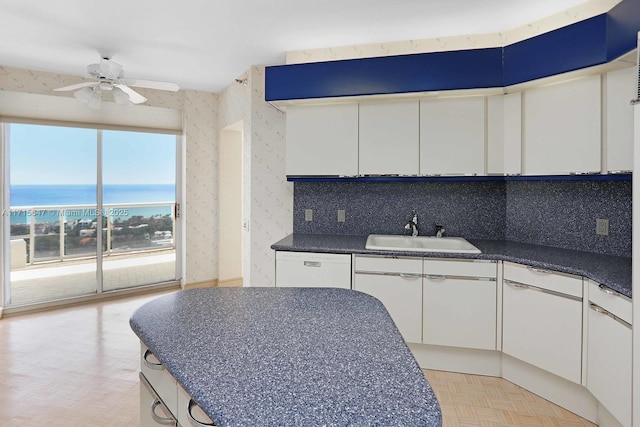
(322,140)
(401,296)
(609,363)
(459,312)
(543,329)
(389,139)
(562,124)
(504,134)
(452,136)
(619,112)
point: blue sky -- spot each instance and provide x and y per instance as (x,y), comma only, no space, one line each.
(58,155)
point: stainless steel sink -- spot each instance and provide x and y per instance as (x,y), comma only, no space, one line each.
(391,242)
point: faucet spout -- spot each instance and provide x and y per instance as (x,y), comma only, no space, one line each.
(413,224)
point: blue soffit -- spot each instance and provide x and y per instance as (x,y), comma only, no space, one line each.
(594,41)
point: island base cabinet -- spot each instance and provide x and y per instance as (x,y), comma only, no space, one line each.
(459,313)
(153,411)
(543,329)
(189,413)
(609,363)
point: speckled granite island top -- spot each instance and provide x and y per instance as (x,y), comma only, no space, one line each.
(288,357)
(611,271)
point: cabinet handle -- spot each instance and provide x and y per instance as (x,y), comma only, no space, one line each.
(516,285)
(157,418)
(149,364)
(538,270)
(312,264)
(409,276)
(192,418)
(608,291)
(604,312)
(436,277)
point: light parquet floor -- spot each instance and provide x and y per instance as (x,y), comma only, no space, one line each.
(78,366)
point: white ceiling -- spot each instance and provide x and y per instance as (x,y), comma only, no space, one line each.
(205,44)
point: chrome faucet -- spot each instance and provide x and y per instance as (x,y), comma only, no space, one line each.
(413,225)
(439,230)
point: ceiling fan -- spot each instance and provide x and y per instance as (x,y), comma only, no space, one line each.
(110,77)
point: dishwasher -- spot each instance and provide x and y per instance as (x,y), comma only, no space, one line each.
(311,269)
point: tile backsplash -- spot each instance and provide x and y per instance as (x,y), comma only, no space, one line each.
(553,213)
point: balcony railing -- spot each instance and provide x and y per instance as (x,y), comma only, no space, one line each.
(71,231)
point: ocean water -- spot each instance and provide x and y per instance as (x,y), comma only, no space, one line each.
(50,201)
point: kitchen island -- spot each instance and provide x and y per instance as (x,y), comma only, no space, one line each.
(295,356)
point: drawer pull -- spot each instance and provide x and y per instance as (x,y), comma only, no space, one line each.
(436,277)
(516,285)
(157,418)
(149,364)
(538,270)
(604,312)
(608,291)
(312,264)
(409,276)
(192,418)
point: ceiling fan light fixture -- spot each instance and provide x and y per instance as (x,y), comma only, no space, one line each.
(95,102)
(120,97)
(83,95)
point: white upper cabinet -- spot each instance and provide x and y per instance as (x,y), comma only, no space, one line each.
(322,140)
(618,143)
(452,136)
(504,134)
(562,128)
(389,138)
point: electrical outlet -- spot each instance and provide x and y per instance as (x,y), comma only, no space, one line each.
(602,227)
(342,217)
(308,215)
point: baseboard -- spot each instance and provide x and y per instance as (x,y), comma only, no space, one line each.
(230,283)
(571,396)
(454,359)
(203,284)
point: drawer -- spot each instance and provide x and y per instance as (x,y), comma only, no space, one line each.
(189,413)
(461,268)
(545,279)
(388,265)
(159,378)
(616,304)
(309,269)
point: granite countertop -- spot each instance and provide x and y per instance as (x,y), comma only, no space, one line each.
(288,357)
(611,271)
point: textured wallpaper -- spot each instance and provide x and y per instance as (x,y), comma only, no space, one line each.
(476,41)
(268,198)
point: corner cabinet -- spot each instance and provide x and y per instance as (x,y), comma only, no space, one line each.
(452,136)
(322,140)
(609,351)
(542,320)
(562,128)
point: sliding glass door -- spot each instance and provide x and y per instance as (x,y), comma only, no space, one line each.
(90,211)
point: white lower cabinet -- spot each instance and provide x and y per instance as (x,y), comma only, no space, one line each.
(162,401)
(459,304)
(609,352)
(397,283)
(542,320)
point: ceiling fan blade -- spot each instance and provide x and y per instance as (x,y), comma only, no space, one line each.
(76,86)
(149,84)
(134,96)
